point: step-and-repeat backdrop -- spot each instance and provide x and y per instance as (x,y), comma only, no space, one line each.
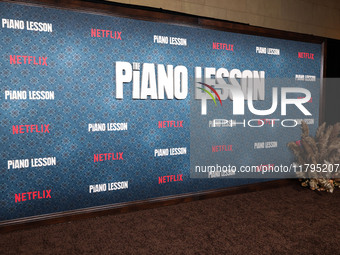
(99,110)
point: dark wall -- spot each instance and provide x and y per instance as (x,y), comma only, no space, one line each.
(332,89)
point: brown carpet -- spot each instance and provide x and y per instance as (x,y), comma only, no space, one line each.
(287,220)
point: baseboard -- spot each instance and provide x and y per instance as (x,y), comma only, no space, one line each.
(54,218)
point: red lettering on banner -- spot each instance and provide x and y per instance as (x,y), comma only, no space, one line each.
(305,55)
(42,128)
(106,33)
(32,195)
(16,60)
(17,198)
(108,156)
(217,148)
(96,158)
(223,46)
(12,59)
(170,123)
(170,178)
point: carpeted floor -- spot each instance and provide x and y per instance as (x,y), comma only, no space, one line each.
(287,220)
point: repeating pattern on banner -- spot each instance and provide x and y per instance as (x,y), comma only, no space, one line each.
(67,142)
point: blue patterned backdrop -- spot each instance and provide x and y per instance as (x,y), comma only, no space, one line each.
(81,72)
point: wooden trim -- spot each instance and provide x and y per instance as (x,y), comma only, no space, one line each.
(80,214)
(323,75)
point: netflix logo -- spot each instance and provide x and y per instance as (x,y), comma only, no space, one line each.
(170,178)
(22,129)
(305,55)
(223,46)
(106,34)
(26,196)
(217,148)
(108,156)
(170,123)
(27,60)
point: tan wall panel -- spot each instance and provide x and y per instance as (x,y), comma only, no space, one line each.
(321,18)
